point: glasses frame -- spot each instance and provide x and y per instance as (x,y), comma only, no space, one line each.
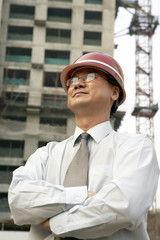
(85,78)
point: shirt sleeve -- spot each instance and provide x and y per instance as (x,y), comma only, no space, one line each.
(122,203)
(32,199)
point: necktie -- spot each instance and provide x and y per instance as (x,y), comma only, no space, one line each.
(77,173)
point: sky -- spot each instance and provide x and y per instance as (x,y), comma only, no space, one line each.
(125,55)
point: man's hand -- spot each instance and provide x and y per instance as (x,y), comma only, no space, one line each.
(46,225)
(91,194)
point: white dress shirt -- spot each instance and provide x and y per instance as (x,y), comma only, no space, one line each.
(123,172)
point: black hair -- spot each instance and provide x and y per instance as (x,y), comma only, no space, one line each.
(114,82)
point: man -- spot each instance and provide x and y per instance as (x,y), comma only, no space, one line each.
(111,198)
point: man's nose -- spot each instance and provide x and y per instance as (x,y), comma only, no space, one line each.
(80,83)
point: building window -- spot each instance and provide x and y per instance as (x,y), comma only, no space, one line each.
(53,121)
(6,175)
(14,54)
(20,11)
(42,144)
(16,98)
(92,17)
(52,79)
(20,33)
(5,178)
(11,148)
(15,118)
(60,0)
(57,57)
(54,101)
(92,38)
(58,35)
(60,15)
(93,1)
(17,77)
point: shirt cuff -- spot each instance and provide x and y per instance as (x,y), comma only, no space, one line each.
(58,224)
(76,195)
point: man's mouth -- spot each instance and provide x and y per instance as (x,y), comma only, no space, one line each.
(79,93)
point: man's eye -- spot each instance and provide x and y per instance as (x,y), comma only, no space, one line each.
(74,80)
(90,77)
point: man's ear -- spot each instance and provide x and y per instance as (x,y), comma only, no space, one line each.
(115,93)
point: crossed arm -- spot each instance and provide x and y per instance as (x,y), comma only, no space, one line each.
(46,224)
(119,204)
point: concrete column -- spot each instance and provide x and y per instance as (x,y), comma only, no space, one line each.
(32,132)
(4,12)
(35,92)
(41,12)
(108,26)
(77,29)
(36,76)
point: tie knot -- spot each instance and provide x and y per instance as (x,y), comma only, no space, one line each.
(84,135)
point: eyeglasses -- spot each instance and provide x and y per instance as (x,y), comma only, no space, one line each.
(88,77)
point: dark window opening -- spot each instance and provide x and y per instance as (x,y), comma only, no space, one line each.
(14,76)
(59,15)
(93,1)
(11,148)
(6,176)
(57,57)
(92,17)
(15,118)
(16,98)
(23,12)
(54,101)
(52,79)
(60,0)
(92,38)
(20,33)
(54,121)
(18,54)
(42,144)
(58,35)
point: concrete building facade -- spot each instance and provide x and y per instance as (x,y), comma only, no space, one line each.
(38,39)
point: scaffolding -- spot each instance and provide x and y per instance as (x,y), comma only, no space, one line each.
(143,26)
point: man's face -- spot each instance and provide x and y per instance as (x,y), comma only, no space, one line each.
(93,95)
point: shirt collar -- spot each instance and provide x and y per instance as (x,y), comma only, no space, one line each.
(98,132)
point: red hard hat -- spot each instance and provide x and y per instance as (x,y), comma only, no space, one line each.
(101,61)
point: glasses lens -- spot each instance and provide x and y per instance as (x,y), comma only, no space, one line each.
(73,80)
(90,77)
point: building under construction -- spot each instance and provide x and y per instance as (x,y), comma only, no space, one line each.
(38,39)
